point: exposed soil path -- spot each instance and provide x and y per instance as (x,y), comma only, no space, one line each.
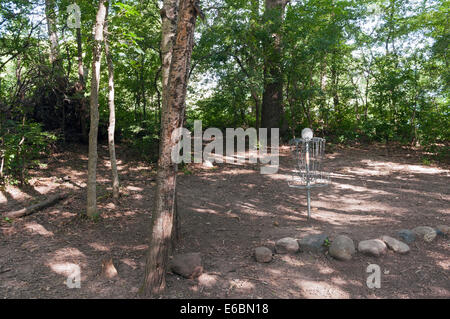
(226,212)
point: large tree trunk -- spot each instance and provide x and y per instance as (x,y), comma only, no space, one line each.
(112,116)
(93,132)
(172,118)
(271,110)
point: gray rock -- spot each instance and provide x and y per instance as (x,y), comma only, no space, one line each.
(187,265)
(395,245)
(286,245)
(342,248)
(313,243)
(263,254)
(406,235)
(443,230)
(372,247)
(427,233)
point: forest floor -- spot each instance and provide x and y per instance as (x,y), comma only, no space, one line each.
(225,213)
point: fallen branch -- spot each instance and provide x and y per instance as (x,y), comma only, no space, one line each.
(36,207)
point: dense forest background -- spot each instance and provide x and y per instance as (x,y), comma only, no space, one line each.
(354,71)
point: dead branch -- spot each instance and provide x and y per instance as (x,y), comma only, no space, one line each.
(36,207)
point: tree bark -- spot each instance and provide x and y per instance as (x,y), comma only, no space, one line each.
(112,115)
(158,98)
(169,15)
(172,118)
(93,132)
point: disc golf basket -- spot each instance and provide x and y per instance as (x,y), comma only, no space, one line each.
(309,152)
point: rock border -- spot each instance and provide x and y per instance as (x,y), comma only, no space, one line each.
(343,247)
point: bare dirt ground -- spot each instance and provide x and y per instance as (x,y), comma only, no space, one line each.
(226,212)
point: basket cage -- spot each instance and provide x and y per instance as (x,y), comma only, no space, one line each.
(309,156)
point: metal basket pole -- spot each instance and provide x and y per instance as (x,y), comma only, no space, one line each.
(308,181)
(309,151)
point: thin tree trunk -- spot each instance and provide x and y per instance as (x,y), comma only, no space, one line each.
(3,157)
(80,58)
(20,153)
(53,36)
(253,90)
(335,86)
(144,99)
(81,88)
(93,132)
(112,115)
(55,60)
(137,96)
(366,99)
(169,16)
(256,99)
(163,215)
(413,126)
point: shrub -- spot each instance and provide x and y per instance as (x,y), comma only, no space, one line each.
(20,148)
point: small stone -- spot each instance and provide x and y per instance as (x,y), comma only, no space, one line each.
(187,265)
(286,245)
(207,280)
(342,248)
(263,254)
(427,233)
(207,164)
(406,235)
(443,230)
(313,243)
(372,247)
(395,245)
(108,269)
